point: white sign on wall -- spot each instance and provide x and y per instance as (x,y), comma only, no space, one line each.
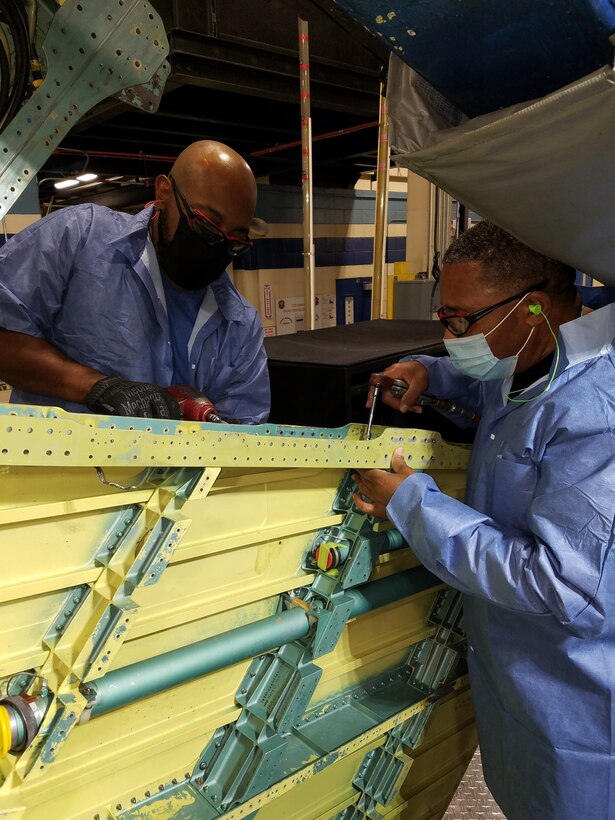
(290,313)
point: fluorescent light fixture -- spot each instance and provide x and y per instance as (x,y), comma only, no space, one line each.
(87,177)
(66,183)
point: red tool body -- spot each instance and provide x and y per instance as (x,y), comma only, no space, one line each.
(194,406)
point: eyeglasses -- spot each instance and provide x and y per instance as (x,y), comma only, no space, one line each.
(206,229)
(459,323)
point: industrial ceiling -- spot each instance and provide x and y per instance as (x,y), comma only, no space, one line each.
(235,78)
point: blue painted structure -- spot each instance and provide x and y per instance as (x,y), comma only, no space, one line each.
(485,56)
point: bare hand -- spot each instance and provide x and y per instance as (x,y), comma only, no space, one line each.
(379,486)
(417,377)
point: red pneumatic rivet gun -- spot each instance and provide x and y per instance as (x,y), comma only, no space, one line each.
(194,406)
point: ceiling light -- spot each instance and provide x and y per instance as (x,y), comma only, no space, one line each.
(66,183)
(87,177)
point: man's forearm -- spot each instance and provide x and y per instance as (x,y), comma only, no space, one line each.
(32,364)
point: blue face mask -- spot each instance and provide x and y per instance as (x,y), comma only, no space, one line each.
(473,357)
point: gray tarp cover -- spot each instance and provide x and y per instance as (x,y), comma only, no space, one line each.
(544,171)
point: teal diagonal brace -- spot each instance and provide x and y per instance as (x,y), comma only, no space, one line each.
(93,50)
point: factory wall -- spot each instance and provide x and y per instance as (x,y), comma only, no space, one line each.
(270,275)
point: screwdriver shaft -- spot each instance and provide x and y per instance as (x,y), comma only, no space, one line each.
(370,421)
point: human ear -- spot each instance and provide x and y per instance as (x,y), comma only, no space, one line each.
(539,307)
(163,189)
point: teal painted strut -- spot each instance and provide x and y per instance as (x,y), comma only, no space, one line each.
(139,680)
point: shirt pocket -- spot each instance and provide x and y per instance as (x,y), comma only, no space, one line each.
(514,486)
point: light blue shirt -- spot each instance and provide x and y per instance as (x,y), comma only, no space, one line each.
(86,280)
(533,552)
(182,309)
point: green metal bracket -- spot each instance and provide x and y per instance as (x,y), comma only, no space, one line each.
(93,50)
(276,730)
(319,733)
(430,665)
(410,733)
(379,778)
(447,613)
(135,552)
(122,529)
(331,622)
(72,603)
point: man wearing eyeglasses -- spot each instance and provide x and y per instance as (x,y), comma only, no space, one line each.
(532,546)
(101,311)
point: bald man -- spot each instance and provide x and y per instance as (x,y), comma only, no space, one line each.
(101,311)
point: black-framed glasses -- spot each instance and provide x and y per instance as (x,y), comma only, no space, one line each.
(206,229)
(459,323)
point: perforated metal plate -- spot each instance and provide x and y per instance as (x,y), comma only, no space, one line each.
(93,50)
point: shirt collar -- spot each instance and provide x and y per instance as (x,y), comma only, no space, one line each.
(134,235)
(587,337)
(230,303)
(579,340)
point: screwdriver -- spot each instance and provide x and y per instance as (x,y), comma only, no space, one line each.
(398,387)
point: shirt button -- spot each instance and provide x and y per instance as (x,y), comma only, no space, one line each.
(492,436)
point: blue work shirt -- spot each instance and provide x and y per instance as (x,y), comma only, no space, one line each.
(86,279)
(532,551)
(182,309)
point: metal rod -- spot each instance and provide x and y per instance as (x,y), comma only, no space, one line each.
(382,197)
(306,176)
(340,132)
(139,680)
(432,224)
(443,222)
(395,541)
(372,411)
(387,590)
(130,683)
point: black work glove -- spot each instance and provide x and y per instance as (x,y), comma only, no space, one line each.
(119,397)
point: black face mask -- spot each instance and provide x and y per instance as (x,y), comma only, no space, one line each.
(187,260)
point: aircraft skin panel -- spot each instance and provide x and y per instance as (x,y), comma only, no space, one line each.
(182,652)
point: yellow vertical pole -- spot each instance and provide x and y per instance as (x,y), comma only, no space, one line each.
(382,198)
(306,176)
